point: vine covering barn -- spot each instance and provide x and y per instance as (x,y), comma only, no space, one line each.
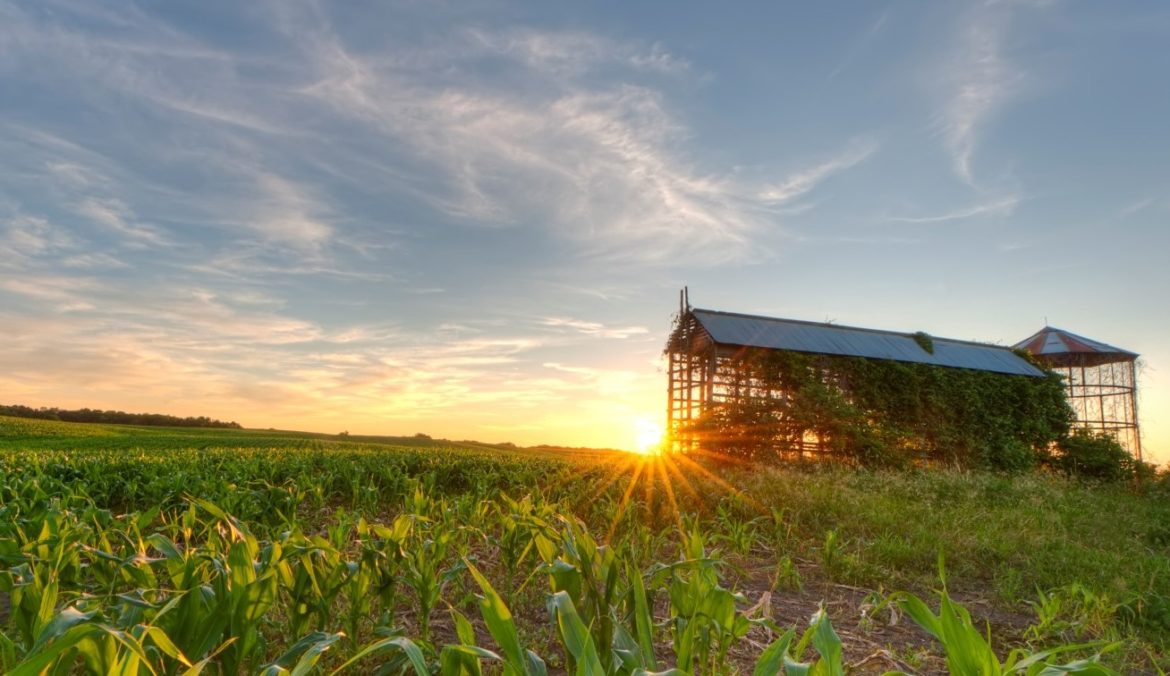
(759,387)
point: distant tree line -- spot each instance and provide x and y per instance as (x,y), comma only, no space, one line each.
(92,415)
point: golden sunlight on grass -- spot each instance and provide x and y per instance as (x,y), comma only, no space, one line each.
(648,436)
(659,476)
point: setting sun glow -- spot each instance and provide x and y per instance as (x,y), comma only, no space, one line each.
(648,436)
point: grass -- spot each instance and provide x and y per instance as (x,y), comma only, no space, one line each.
(395,542)
(1009,535)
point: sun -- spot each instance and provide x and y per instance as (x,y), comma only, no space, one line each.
(648,436)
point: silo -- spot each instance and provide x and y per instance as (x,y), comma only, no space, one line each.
(1101,381)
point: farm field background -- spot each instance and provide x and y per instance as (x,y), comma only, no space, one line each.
(248,551)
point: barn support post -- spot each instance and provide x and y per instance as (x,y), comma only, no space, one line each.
(1133,409)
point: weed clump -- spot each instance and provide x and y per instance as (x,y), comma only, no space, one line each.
(1093,455)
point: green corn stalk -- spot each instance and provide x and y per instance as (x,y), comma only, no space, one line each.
(463,659)
(302,657)
(398,646)
(827,644)
(642,620)
(771,662)
(33,598)
(382,550)
(298,580)
(590,575)
(74,635)
(516,660)
(245,586)
(425,574)
(192,616)
(575,636)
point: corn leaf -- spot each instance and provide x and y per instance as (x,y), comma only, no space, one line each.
(771,661)
(408,647)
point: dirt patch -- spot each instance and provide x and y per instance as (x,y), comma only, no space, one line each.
(876,638)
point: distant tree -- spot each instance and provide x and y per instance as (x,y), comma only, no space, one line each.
(420,435)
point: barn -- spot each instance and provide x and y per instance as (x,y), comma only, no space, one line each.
(748,385)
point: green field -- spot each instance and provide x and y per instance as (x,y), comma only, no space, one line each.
(167,550)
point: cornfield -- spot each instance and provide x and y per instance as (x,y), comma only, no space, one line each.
(170,554)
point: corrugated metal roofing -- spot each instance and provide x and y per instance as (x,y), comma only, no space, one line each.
(799,336)
(1051,341)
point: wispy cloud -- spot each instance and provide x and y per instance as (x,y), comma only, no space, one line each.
(287,212)
(599,161)
(996,207)
(573,134)
(594,328)
(116,216)
(40,259)
(62,290)
(1135,207)
(805,180)
(94,261)
(977,81)
(607,382)
(596,166)
(566,53)
(24,237)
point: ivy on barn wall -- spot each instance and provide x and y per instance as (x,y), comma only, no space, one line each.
(879,412)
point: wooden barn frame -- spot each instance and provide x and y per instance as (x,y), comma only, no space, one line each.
(707,351)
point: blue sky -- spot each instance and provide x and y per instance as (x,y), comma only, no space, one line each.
(473,219)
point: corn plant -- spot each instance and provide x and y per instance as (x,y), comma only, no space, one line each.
(515,659)
(969,651)
(244,585)
(738,533)
(589,574)
(383,553)
(305,575)
(523,527)
(302,658)
(704,619)
(634,638)
(427,573)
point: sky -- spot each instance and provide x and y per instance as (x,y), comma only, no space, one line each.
(472,220)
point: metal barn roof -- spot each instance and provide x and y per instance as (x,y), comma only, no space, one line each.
(1058,346)
(798,336)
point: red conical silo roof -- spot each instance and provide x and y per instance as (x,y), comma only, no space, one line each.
(1064,348)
